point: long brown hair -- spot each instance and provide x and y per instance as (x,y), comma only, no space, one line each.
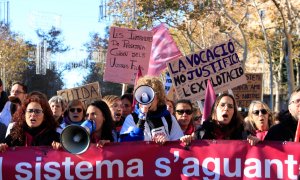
(49,122)
(236,120)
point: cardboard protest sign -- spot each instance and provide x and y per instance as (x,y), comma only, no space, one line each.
(85,93)
(220,64)
(250,91)
(127,50)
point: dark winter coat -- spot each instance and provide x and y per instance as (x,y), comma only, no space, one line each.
(285,130)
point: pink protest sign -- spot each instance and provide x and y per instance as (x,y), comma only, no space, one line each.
(127,50)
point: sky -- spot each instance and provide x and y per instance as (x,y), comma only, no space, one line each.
(76,19)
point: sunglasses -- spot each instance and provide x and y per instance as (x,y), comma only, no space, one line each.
(263,111)
(35,111)
(182,111)
(76,109)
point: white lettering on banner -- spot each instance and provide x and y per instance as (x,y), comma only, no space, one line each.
(165,169)
(166,163)
(52,168)
(27,174)
(252,170)
(83,169)
(192,168)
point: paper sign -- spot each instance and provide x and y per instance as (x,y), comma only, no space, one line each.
(220,64)
(85,93)
(250,91)
(127,50)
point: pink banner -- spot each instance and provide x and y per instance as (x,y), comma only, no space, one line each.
(140,160)
(163,50)
(210,98)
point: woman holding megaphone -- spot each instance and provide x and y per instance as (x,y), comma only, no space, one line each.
(99,112)
(97,128)
(155,123)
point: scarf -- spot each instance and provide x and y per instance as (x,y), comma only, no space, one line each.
(190,129)
(261,134)
(68,121)
(32,133)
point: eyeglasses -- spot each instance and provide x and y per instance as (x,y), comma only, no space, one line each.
(76,109)
(182,111)
(35,111)
(263,111)
(296,101)
(16,92)
(229,106)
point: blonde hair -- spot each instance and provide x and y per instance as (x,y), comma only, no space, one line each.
(156,85)
(249,121)
(110,99)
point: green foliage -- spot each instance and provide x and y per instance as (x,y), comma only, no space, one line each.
(48,84)
(99,44)
(55,42)
(107,88)
(13,55)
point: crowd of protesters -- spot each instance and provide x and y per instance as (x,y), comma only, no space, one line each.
(30,119)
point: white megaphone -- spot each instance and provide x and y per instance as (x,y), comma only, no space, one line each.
(76,139)
(144,95)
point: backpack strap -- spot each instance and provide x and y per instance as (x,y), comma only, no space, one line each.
(169,121)
(135,117)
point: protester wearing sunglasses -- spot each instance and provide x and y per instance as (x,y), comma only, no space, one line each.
(34,124)
(258,121)
(184,115)
(224,123)
(74,113)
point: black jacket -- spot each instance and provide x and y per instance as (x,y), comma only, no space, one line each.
(211,130)
(3,100)
(35,137)
(285,130)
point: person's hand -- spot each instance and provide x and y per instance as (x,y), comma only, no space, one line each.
(3,147)
(253,140)
(160,139)
(144,108)
(101,143)
(56,145)
(143,111)
(186,139)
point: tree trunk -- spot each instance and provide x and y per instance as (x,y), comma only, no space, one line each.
(287,48)
(278,83)
(269,55)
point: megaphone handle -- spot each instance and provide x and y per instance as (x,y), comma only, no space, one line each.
(142,115)
(141,124)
